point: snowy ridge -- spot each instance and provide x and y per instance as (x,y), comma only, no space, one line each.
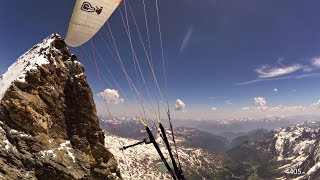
(143,160)
(28,61)
(144,163)
(133,157)
(292,134)
(291,152)
(297,147)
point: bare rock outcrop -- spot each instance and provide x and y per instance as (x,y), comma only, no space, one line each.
(49,127)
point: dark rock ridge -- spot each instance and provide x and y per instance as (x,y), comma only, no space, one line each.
(48,122)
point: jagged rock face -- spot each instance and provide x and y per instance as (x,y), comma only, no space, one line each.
(49,125)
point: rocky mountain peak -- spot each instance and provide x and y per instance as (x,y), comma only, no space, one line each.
(48,121)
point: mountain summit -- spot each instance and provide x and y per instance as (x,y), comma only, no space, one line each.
(48,122)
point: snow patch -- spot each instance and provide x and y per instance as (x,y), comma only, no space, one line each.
(21,134)
(8,146)
(13,131)
(79,75)
(48,153)
(41,61)
(28,61)
(65,147)
(314,168)
(295,145)
(143,159)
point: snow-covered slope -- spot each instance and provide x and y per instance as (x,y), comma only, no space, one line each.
(139,161)
(292,152)
(30,60)
(243,125)
(297,147)
(143,162)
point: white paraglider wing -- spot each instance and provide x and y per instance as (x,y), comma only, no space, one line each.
(87,18)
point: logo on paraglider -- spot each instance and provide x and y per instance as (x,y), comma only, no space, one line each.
(86,6)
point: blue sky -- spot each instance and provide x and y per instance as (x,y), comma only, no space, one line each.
(220,55)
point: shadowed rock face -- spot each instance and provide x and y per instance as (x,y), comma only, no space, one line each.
(49,127)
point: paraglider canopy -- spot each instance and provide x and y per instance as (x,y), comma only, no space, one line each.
(87,18)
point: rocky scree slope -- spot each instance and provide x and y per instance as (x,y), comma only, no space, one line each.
(49,128)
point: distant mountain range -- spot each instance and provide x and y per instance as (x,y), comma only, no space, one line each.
(285,153)
(239,125)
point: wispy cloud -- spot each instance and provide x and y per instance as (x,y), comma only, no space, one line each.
(307,75)
(263,105)
(314,65)
(278,72)
(316,62)
(186,38)
(214,109)
(228,102)
(261,80)
(270,72)
(287,108)
(246,108)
